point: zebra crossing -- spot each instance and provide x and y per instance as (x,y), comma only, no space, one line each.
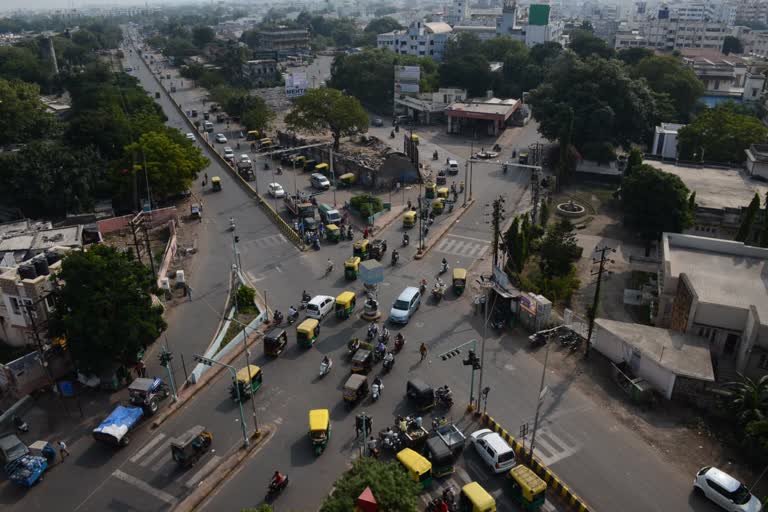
(464,246)
(553,446)
(154,460)
(264,242)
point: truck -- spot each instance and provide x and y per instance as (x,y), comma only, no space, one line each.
(114,429)
(20,465)
(329,215)
(300,206)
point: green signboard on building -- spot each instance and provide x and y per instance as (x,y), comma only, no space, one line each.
(538,14)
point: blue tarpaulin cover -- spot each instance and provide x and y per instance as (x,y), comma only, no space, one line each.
(119,422)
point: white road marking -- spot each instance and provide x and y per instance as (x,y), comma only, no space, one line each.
(157,493)
(470,238)
(164,448)
(203,471)
(147,447)
(162,460)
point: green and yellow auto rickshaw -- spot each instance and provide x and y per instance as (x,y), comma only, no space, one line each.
(307,332)
(527,488)
(332,233)
(443,192)
(474,498)
(347,179)
(415,139)
(216,184)
(360,249)
(319,429)
(419,468)
(459,280)
(438,205)
(429,190)
(323,169)
(409,219)
(352,268)
(345,304)
(355,389)
(298,161)
(247,382)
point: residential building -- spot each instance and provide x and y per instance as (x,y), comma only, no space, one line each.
(757,161)
(665,140)
(458,12)
(752,10)
(755,41)
(716,289)
(260,72)
(284,41)
(665,34)
(22,240)
(420,39)
(725,77)
(703,11)
(541,28)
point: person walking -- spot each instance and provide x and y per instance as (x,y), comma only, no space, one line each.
(423,351)
(63,452)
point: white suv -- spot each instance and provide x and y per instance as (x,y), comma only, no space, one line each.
(726,491)
(494,450)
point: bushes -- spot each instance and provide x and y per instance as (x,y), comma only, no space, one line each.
(366,204)
(245,299)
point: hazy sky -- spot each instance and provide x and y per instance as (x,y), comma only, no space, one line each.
(10,5)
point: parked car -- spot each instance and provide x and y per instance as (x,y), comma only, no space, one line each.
(276,190)
(726,491)
(494,450)
(405,306)
(319,306)
(190,136)
(220,138)
(319,181)
(377,121)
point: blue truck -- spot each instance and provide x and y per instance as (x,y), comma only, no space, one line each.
(114,430)
(20,465)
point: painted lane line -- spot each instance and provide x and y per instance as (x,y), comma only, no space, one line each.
(162,460)
(147,447)
(203,471)
(140,484)
(470,238)
(164,448)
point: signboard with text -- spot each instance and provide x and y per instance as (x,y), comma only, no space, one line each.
(407,79)
(296,85)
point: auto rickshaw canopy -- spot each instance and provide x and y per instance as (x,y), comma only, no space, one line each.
(345,299)
(253,135)
(321,167)
(409,218)
(319,419)
(308,327)
(216,183)
(430,186)
(531,486)
(352,262)
(332,228)
(439,453)
(348,178)
(414,463)
(355,382)
(443,192)
(438,205)
(243,374)
(361,245)
(479,497)
(459,274)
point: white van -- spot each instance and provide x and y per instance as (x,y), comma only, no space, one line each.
(405,305)
(453,167)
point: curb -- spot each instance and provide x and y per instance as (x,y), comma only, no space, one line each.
(445,230)
(221,473)
(554,483)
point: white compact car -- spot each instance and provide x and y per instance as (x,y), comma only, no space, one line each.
(726,491)
(494,450)
(190,136)
(229,155)
(276,190)
(220,138)
(320,306)
(319,181)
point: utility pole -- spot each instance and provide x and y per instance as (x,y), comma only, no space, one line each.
(333,176)
(421,225)
(496,219)
(149,248)
(471,360)
(535,193)
(592,314)
(466,173)
(210,362)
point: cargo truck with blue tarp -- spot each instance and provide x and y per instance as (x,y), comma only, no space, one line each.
(114,430)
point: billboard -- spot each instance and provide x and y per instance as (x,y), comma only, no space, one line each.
(401,87)
(295,85)
(407,79)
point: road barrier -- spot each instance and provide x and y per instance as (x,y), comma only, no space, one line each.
(554,483)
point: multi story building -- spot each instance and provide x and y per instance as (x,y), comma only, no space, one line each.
(726,76)
(703,11)
(664,34)
(458,12)
(419,39)
(751,10)
(284,41)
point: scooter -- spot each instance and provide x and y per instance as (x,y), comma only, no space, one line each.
(444,267)
(406,240)
(373,331)
(316,244)
(275,489)
(395,257)
(20,424)
(384,336)
(353,345)
(434,156)
(325,369)
(376,389)
(392,134)
(399,343)
(277,318)
(389,361)
(292,317)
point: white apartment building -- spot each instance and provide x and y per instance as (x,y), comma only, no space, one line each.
(703,11)
(419,39)
(669,35)
(755,41)
(751,10)
(458,12)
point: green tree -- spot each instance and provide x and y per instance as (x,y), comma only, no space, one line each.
(720,135)
(202,35)
(655,202)
(631,56)
(498,48)
(586,44)
(545,53)
(667,75)
(22,63)
(744,234)
(634,161)
(328,109)
(170,162)
(559,249)
(732,44)
(104,308)
(692,203)
(749,398)
(382,25)
(22,114)
(391,486)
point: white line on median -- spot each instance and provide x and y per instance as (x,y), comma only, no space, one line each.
(203,471)
(157,493)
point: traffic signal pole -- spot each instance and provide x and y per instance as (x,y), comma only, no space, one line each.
(211,362)
(472,360)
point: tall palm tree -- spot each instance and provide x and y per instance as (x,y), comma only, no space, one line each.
(749,398)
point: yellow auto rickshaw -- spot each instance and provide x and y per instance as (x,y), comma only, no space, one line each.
(347,179)
(443,192)
(527,488)
(323,169)
(345,304)
(252,135)
(247,382)
(476,499)
(352,268)
(415,139)
(429,190)
(216,184)
(355,389)
(360,249)
(319,429)
(418,467)
(266,141)
(332,233)
(307,332)
(438,205)
(409,219)
(298,161)
(459,280)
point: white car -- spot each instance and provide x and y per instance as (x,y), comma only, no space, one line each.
(190,136)
(494,450)
(220,138)
(276,190)
(229,155)
(319,181)
(726,491)
(319,306)
(245,159)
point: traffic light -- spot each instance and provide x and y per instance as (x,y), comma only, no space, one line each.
(165,358)
(472,360)
(237,239)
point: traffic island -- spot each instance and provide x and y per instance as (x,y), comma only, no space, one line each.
(221,472)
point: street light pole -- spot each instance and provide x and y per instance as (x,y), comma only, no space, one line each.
(211,362)
(333,176)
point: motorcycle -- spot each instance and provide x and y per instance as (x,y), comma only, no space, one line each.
(350,235)
(434,156)
(373,331)
(292,317)
(231,225)
(279,171)
(496,148)
(376,388)
(266,166)
(378,352)
(444,267)
(316,244)
(538,340)
(325,368)
(20,424)
(399,342)
(423,286)
(304,301)
(439,422)
(384,336)
(395,257)
(444,395)
(389,361)
(353,345)
(406,240)
(277,318)
(392,134)
(275,489)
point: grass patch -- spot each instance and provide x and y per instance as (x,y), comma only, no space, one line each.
(236,328)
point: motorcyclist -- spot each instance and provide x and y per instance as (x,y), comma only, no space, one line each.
(326,361)
(395,256)
(399,340)
(277,479)
(279,171)
(377,382)
(329,268)
(373,330)
(292,312)
(389,358)
(406,239)
(381,348)
(278,317)
(445,265)
(305,297)
(384,333)
(392,134)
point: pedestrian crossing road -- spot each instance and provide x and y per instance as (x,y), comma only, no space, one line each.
(464,246)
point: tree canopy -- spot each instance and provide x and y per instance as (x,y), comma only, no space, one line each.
(559,249)
(668,76)
(654,202)
(585,44)
(732,44)
(391,486)
(382,25)
(328,109)
(202,35)
(22,114)
(104,308)
(720,135)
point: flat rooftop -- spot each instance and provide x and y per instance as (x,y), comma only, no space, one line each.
(716,188)
(680,353)
(721,271)
(491,106)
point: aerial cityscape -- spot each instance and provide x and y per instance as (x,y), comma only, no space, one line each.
(384,256)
